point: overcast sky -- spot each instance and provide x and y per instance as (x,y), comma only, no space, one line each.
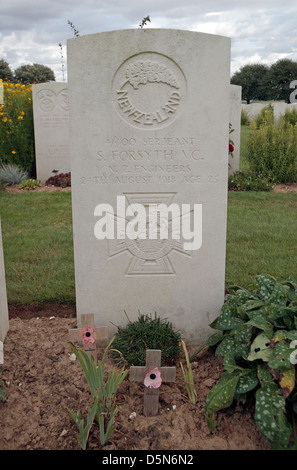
(261,31)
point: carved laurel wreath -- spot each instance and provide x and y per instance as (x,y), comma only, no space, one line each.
(143,72)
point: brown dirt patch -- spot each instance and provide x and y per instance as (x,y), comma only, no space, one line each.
(14,188)
(285,188)
(41,381)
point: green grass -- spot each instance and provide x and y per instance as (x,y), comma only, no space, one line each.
(261,236)
(38,243)
(244,165)
(38,247)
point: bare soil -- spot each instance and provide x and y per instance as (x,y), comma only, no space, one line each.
(41,382)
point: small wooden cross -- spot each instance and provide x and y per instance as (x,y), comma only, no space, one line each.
(88,334)
(148,374)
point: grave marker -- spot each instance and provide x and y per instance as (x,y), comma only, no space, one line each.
(51,128)
(4,321)
(149,122)
(152,371)
(88,334)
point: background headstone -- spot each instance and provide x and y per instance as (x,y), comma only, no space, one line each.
(51,129)
(4,321)
(149,121)
(235,120)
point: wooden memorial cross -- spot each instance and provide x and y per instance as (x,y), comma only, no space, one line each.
(88,334)
(152,375)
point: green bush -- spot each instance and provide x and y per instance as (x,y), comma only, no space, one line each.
(240,181)
(290,116)
(245,120)
(16,127)
(2,393)
(272,151)
(257,336)
(146,333)
(12,174)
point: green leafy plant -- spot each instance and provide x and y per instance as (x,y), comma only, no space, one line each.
(30,184)
(245,120)
(59,179)
(146,333)
(103,391)
(272,151)
(241,181)
(256,332)
(188,377)
(266,116)
(12,174)
(16,127)
(144,21)
(2,393)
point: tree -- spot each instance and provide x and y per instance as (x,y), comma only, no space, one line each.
(254,80)
(5,71)
(35,73)
(281,74)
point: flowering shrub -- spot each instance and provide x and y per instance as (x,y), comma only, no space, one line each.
(16,127)
(231,143)
(272,151)
(59,179)
(240,181)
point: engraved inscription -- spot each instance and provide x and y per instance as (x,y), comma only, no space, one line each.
(48,101)
(142,161)
(149,90)
(148,256)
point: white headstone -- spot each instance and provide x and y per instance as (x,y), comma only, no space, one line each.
(51,128)
(149,115)
(235,121)
(4,321)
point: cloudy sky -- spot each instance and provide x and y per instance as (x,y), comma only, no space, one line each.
(260,30)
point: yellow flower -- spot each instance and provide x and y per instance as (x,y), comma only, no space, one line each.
(20,117)
(14,152)
(4,119)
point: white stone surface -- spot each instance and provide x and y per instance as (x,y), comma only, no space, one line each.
(235,120)
(145,123)
(4,321)
(51,128)
(279,108)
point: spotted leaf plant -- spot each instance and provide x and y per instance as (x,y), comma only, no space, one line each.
(257,337)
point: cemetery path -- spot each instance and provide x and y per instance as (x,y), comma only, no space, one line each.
(41,381)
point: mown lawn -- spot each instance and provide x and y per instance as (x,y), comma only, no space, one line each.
(38,243)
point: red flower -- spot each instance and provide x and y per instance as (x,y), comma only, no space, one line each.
(231,148)
(87,336)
